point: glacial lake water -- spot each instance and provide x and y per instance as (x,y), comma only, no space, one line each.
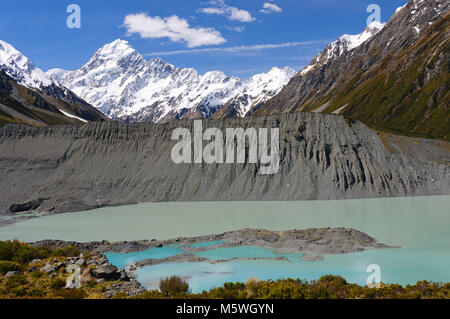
(420,225)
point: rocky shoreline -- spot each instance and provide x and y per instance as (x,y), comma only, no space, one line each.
(314,240)
(183,258)
(312,244)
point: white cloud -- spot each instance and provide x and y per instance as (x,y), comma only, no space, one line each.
(270,8)
(237,49)
(231,13)
(174,28)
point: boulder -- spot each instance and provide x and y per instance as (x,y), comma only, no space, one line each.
(32,269)
(80,262)
(49,268)
(124,276)
(28,206)
(107,272)
(86,276)
(92,262)
(11,273)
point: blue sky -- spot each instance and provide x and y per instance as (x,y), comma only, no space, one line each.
(287,32)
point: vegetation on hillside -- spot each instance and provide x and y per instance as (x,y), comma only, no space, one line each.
(327,287)
(22,105)
(407,94)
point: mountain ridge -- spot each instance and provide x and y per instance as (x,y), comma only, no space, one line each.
(392,82)
(122,83)
(29,96)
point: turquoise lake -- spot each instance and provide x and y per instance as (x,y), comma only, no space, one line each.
(420,225)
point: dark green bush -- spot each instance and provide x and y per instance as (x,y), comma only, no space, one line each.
(6,250)
(57,283)
(174,287)
(16,281)
(26,254)
(6,266)
(70,251)
(21,252)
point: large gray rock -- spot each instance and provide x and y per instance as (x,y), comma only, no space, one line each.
(51,268)
(11,273)
(107,272)
(29,206)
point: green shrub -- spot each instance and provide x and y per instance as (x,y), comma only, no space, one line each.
(26,254)
(70,251)
(21,252)
(174,287)
(16,281)
(6,266)
(6,250)
(57,283)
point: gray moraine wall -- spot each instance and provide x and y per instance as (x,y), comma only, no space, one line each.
(68,168)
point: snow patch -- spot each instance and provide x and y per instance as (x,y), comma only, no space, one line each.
(73,116)
(354,41)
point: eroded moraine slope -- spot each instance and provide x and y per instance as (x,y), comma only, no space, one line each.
(68,168)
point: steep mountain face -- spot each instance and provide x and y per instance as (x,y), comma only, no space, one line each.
(125,86)
(19,104)
(258,90)
(342,45)
(28,95)
(19,67)
(321,157)
(396,81)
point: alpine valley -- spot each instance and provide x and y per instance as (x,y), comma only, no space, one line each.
(368,117)
(360,138)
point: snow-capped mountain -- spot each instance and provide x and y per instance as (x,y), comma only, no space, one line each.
(344,44)
(124,85)
(18,68)
(256,91)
